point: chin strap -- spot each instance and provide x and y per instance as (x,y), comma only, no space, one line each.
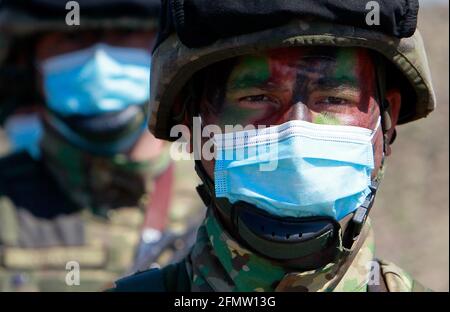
(359,217)
(307,243)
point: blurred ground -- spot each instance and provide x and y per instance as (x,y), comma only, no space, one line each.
(411,214)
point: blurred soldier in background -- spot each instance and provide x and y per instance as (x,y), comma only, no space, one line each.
(99,194)
(325,91)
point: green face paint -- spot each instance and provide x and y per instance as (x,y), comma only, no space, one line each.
(325,119)
(346,60)
(250,72)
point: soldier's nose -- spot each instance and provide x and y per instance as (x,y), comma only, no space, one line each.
(297,111)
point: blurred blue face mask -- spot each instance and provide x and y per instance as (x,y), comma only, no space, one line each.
(97,80)
(297,169)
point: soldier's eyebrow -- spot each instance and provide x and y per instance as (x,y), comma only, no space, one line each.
(248,91)
(331,83)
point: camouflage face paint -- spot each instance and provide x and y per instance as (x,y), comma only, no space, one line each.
(250,72)
(320,85)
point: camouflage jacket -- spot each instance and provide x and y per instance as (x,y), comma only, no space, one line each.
(45,238)
(175,278)
(218,263)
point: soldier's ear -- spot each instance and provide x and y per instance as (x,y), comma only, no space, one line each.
(394,97)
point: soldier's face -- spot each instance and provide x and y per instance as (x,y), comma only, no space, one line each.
(53,44)
(57,43)
(334,86)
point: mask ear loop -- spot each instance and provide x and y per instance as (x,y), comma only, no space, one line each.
(375,130)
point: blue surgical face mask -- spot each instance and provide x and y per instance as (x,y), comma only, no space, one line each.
(297,169)
(97,80)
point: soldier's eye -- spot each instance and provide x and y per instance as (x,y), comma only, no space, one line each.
(258,101)
(334,101)
(256,98)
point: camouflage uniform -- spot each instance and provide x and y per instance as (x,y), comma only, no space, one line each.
(218,261)
(69,205)
(230,267)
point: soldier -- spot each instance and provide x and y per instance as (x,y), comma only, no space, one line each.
(317,93)
(100,197)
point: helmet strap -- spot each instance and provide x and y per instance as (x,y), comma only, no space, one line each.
(385,109)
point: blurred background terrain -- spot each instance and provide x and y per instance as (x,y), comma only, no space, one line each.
(411,213)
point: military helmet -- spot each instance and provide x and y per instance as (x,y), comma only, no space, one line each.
(176,57)
(21,20)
